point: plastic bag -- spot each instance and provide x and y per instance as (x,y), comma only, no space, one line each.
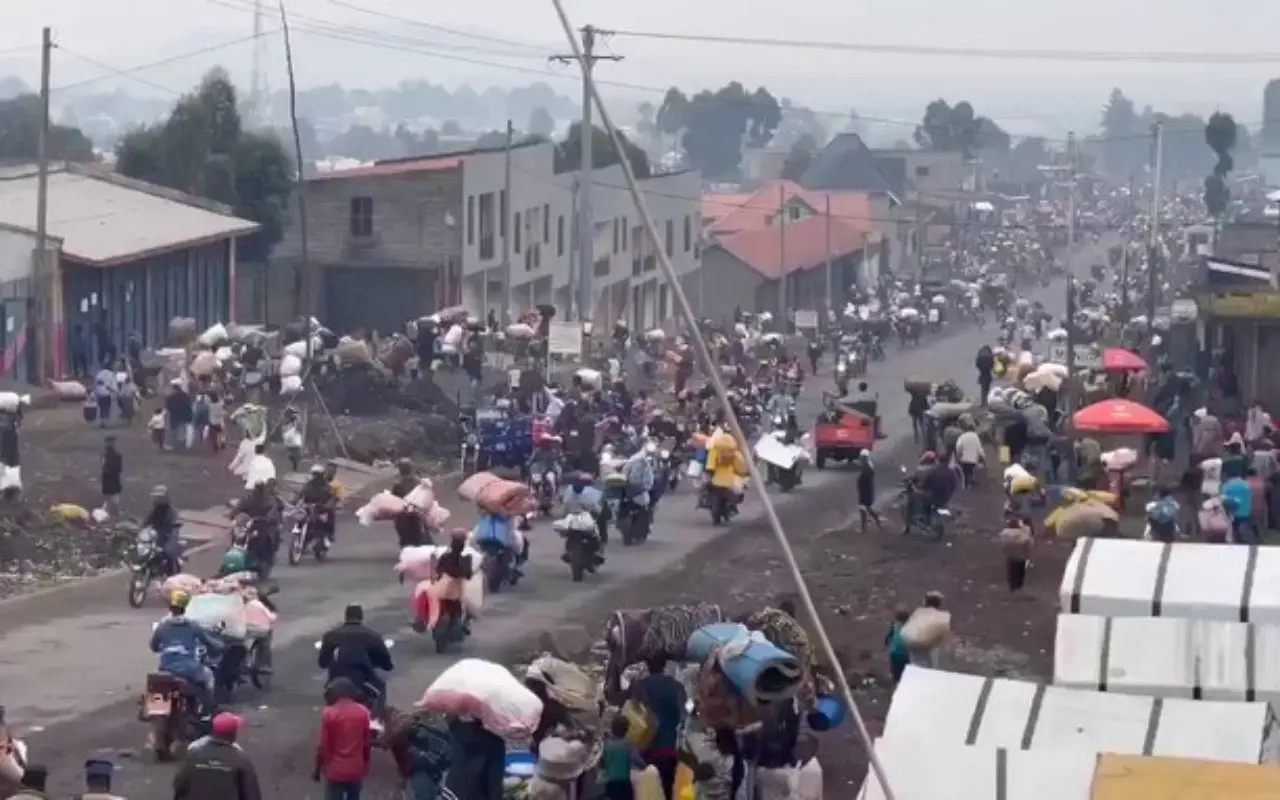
(258,619)
(291,384)
(180,582)
(422,496)
(69,390)
(589,377)
(694,469)
(580,521)
(488,692)
(219,612)
(214,336)
(290,365)
(10,479)
(12,401)
(382,506)
(69,512)
(261,470)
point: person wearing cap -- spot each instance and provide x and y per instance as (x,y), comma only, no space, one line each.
(97,780)
(163,519)
(317,496)
(356,652)
(345,747)
(216,768)
(177,640)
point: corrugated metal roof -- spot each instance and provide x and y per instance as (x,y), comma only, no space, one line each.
(391,169)
(102,221)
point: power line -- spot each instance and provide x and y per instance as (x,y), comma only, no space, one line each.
(431,26)
(1096,56)
(131,72)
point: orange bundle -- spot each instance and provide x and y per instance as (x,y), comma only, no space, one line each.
(505,498)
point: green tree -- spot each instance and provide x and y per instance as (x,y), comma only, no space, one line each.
(715,126)
(202,149)
(945,127)
(800,157)
(1220,134)
(541,123)
(20,133)
(568,156)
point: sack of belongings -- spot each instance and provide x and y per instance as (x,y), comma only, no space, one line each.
(488,693)
(204,364)
(214,336)
(927,628)
(69,390)
(520,331)
(1086,518)
(353,352)
(917,386)
(396,353)
(69,512)
(506,498)
(182,331)
(11,402)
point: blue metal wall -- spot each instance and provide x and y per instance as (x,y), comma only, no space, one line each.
(139,298)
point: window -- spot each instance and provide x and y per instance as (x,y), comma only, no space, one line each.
(616,237)
(922,171)
(528,259)
(502,215)
(515,246)
(795,213)
(664,299)
(688,237)
(560,235)
(624,234)
(671,238)
(362,217)
(546,223)
(471,219)
(601,268)
(486,225)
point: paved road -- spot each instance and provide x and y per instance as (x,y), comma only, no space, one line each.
(70,681)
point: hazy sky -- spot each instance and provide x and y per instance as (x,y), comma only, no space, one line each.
(1026,96)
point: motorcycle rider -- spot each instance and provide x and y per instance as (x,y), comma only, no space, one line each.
(455,569)
(177,640)
(318,497)
(638,470)
(263,510)
(411,529)
(354,651)
(163,519)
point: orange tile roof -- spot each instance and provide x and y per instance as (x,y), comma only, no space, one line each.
(717,206)
(734,213)
(391,169)
(805,245)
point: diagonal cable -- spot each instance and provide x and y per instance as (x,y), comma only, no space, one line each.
(704,356)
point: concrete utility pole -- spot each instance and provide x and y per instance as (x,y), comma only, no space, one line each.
(827,234)
(782,258)
(1070,399)
(506,240)
(586,225)
(47,339)
(1153,244)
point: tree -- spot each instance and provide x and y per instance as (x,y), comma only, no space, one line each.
(541,123)
(714,127)
(20,133)
(568,156)
(800,157)
(1220,134)
(1122,148)
(450,128)
(946,127)
(201,149)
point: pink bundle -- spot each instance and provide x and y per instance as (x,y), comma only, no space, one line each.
(505,498)
(470,489)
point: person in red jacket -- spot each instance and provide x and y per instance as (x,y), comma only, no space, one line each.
(346,742)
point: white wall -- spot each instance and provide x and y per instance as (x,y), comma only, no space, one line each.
(16,251)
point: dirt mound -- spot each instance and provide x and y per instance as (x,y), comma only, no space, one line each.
(38,548)
(395,432)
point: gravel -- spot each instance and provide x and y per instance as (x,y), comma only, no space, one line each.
(38,550)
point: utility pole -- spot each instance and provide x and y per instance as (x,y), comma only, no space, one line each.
(1070,399)
(586,224)
(48,346)
(1153,244)
(782,258)
(827,233)
(506,240)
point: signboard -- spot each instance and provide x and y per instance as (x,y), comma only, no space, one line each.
(1184,310)
(564,339)
(807,319)
(1087,356)
(1264,305)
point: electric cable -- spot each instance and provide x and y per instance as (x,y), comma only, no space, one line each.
(713,375)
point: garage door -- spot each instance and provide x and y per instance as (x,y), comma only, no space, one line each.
(377,298)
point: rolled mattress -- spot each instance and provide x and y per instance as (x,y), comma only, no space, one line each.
(760,670)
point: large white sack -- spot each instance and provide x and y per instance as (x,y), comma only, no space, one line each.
(10,478)
(782,456)
(12,401)
(415,562)
(291,384)
(239,465)
(204,364)
(487,692)
(69,390)
(298,348)
(224,354)
(290,365)
(1026,358)
(219,612)
(261,470)
(214,336)
(589,377)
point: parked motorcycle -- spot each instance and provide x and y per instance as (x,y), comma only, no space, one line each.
(149,563)
(305,532)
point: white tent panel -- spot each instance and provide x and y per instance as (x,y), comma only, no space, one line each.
(1169,657)
(947,708)
(981,773)
(1127,578)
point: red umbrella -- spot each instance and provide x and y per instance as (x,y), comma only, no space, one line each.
(1117,359)
(1119,416)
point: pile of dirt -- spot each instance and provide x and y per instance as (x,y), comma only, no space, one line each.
(37,548)
(391,434)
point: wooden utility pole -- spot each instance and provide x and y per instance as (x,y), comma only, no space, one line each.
(47,340)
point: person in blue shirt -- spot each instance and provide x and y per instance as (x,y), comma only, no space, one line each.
(899,658)
(177,640)
(1237,497)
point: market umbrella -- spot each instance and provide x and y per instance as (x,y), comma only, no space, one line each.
(1119,416)
(1117,359)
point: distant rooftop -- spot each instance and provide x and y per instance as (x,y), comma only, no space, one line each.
(104,219)
(415,165)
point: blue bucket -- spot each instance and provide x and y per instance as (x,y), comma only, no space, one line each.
(520,764)
(828,713)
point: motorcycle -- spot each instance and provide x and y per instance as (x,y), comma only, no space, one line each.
(149,563)
(544,485)
(581,544)
(373,698)
(171,707)
(248,535)
(451,626)
(498,565)
(920,514)
(304,533)
(633,522)
(722,504)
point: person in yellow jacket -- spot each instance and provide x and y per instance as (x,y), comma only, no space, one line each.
(727,467)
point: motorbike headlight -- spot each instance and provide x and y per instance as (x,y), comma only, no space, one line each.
(665,454)
(146,535)
(471,439)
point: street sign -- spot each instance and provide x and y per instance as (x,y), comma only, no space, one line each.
(806,319)
(1087,356)
(564,339)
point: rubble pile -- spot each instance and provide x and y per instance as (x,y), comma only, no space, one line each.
(396,433)
(38,548)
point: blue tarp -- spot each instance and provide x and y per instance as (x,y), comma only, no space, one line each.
(495,529)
